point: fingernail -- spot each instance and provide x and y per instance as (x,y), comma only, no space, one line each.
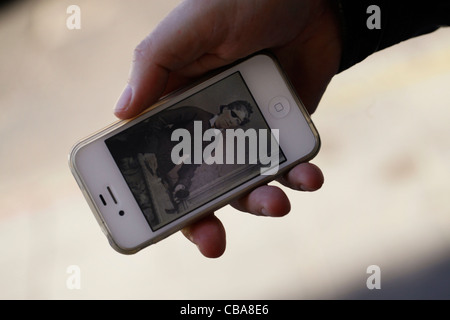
(124,100)
(188,234)
(264,212)
(304,188)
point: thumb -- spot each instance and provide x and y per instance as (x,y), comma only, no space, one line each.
(169,52)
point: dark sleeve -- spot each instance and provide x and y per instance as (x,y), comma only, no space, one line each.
(400,20)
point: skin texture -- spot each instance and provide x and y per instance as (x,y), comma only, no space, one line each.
(201,35)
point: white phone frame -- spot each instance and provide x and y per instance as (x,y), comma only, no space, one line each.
(95,169)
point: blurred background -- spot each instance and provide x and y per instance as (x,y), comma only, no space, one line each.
(385,130)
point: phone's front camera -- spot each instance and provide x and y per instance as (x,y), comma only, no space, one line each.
(121,213)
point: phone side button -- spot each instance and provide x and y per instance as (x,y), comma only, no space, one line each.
(279,107)
(104,229)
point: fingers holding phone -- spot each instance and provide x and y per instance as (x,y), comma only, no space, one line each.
(196,151)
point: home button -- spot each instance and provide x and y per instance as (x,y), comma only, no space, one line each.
(279,107)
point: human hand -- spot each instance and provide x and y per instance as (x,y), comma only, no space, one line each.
(200,36)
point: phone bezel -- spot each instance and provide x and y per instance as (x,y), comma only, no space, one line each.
(95,170)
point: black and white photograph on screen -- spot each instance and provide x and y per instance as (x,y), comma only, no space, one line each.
(176,160)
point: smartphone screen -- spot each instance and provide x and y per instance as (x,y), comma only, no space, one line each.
(196,150)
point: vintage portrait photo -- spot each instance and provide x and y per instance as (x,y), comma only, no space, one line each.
(186,155)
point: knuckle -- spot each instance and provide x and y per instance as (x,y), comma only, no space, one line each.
(142,51)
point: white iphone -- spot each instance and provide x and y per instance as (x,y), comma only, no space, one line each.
(193,152)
